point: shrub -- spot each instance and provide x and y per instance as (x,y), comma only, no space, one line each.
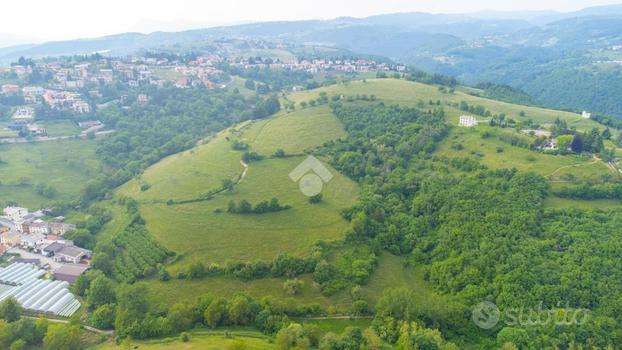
(184,337)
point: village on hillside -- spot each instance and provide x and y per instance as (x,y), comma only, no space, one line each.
(75,88)
(37,238)
(38,264)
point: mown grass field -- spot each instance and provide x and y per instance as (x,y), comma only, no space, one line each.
(199,233)
(61,128)
(305,129)
(65,165)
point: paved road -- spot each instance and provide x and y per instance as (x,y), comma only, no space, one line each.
(56,138)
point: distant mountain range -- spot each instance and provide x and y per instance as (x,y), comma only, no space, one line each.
(353,32)
(570,60)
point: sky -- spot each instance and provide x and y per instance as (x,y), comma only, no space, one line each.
(43,20)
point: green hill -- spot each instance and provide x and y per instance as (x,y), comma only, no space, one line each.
(202,230)
(182,202)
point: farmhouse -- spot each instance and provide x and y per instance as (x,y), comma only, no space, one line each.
(10,89)
(142,98)
(90,124)
(24,113)
(52,248)
(550,145)
(586,115)
(70,272)
(35,130)
(72,254)
(467,120)
(59,228)
(80,106)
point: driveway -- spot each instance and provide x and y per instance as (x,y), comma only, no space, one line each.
(29,255)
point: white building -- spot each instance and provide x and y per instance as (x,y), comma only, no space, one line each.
(586,115)
(24,113)
(15,213)
(468,121)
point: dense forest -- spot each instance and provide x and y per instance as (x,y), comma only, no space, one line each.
(482,234)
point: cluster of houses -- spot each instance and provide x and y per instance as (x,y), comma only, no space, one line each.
(547,143)
(321,65)
(56,99)
(22,122)
(133,71)
(28,232)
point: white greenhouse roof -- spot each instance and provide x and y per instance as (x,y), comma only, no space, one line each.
(21,281)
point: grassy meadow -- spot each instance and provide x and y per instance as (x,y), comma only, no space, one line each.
(204,231)
(494,153)
(201,340)
(65,165)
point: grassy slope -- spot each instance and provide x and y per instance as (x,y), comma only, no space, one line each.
(516,157)
(199,233)
(65,165)
(409,93)
(554,167)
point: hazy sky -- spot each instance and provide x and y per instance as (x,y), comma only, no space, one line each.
(68,19)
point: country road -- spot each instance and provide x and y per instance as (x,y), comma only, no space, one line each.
(88,328)
(56,138)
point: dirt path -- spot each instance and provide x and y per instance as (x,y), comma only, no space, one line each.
(88,328)
(339,318)
(244,172)
(571,166)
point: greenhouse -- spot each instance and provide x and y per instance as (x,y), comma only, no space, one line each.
(21,281)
